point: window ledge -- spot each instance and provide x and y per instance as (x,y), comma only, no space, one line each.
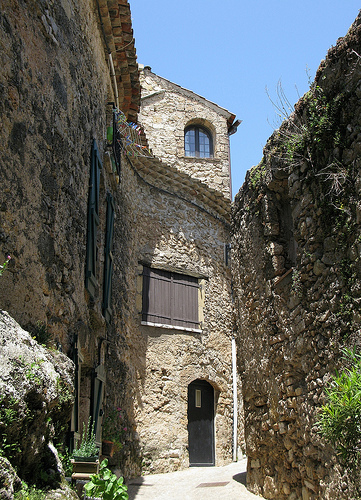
(197,158)
(171,327)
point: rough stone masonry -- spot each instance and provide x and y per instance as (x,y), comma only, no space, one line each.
(296,266)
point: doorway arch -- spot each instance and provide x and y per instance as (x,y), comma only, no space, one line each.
(201,424)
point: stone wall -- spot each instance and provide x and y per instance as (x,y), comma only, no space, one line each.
(55,89)
(53,104)
(166,110)
(296,257)
(183,240)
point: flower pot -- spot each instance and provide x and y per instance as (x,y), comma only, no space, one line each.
(85,459)
(108,448)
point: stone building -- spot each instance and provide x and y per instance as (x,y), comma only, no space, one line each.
(90,225)
(183,296)
(64,67)
(296,268)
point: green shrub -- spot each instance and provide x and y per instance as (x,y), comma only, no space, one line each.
(5,265)
(29,493)
(9,445)
(41,334)
(340,418)
(106,485)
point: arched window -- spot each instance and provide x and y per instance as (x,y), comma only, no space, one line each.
(198,142)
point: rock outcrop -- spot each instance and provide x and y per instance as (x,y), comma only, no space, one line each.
(36,397)
(9,480)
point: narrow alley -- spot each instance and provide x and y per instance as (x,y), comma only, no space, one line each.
(196,483)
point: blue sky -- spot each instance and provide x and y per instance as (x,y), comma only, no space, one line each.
(230,51)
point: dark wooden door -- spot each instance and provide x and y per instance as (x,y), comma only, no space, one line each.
(200,423)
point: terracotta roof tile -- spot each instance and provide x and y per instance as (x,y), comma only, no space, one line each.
(116,19)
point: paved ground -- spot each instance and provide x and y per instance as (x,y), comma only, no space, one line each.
(195,483)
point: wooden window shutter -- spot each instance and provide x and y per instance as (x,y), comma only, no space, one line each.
(170,298)
(108,262)
(116,146)
(156,296)
(93,221)
(185,301)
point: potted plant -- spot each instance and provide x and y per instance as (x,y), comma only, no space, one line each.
(106,485)
(85,458)
(112,432)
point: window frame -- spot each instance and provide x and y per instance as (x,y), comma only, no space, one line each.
(170,300)
(197,152)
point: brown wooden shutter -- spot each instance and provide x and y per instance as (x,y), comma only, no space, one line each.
(185,301)
(156,296)
(170,298)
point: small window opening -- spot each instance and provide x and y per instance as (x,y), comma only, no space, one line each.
(198,142)
(198,393)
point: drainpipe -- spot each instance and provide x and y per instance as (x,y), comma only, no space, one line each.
(112,74)
(231,130)
(235,402)
(111,65)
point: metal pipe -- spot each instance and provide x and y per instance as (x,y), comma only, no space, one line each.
(112,74)
(112,71)
(235,400)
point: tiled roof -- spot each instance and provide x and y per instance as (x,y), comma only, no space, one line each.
(117,27)
(168,178)
(116,20)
